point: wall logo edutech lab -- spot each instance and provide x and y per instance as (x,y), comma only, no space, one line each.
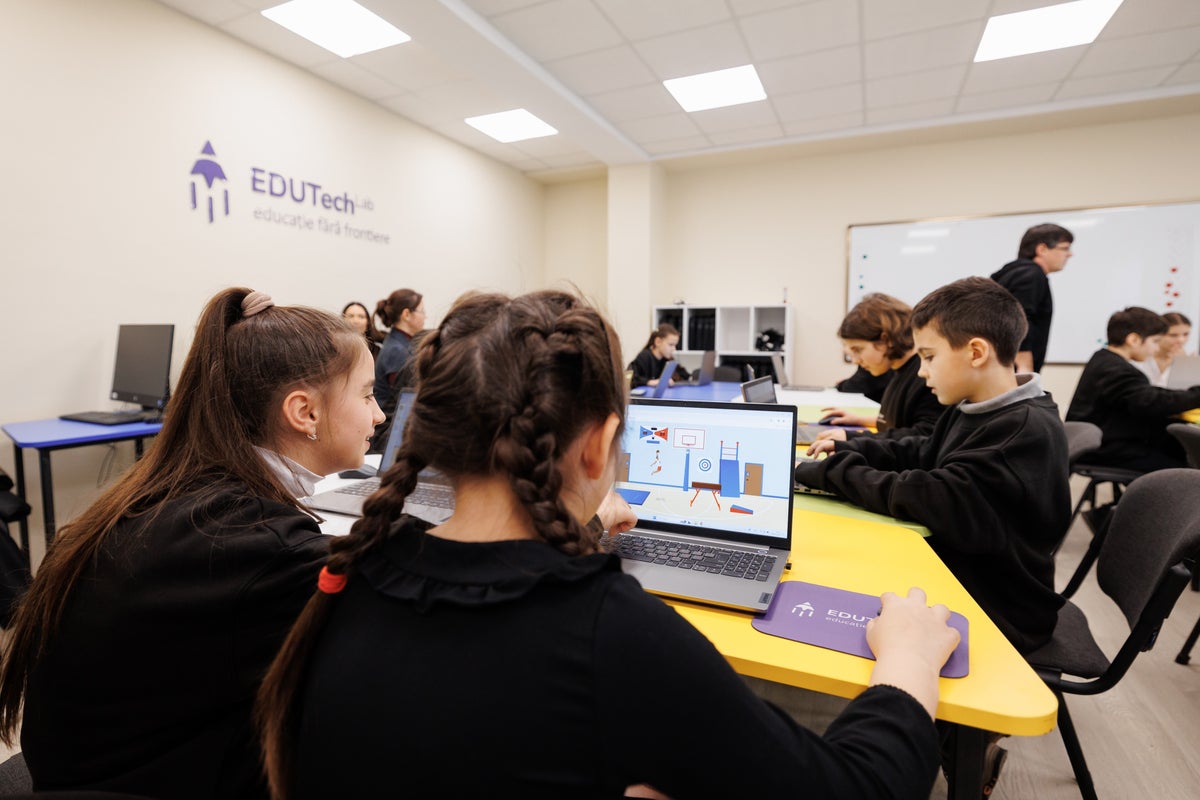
(211,171)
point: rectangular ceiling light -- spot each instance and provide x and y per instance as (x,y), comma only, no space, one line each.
(725,87)
(340,26)
(1040,29)
(511,126)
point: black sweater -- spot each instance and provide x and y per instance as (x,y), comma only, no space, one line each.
(507,669)
(147,686)
(908,407)
(992,489)
(1027,282)
(647,367)
(1132,414)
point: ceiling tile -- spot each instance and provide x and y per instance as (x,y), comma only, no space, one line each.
(931,109)
(558,29)
(656,129)
(1149,16)
(214,12)
(356,79)
(811,71)
(639,19)
(260,32)
(744,8)
(746,115)
(490,8)
(821,103)
(1030,70)
(454,102)
(763,133)
(1113,84)
(411,65)
(1138,52)
(576,159)
(806,28)
(1006,98)
(916,52)
(691,52)
(839,122)
(1188,73)
(915,88)
(678,146)
(651,100)
(882,18)
(602,70)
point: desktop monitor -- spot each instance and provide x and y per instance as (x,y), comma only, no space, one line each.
(142,373)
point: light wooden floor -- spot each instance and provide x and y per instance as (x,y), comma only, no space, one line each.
(1141,738)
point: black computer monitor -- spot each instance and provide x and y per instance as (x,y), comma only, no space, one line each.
(142,373)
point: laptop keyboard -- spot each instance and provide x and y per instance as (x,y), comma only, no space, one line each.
(702,558)
(433,495)
(363,488)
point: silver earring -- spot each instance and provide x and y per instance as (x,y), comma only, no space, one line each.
(312,436)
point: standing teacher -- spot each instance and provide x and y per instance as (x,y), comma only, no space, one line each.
(1044,249)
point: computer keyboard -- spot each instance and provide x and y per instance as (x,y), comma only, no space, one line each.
(703,558)
(105,417)
(433,495)
(363,488)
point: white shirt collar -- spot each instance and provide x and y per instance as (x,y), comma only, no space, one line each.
(298,480)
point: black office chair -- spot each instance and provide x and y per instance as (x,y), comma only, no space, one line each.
(1189,437)
(1142,568)
(1083,438)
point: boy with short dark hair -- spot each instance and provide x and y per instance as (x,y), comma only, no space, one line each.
(1117,397)
(990,481)
(1044,250)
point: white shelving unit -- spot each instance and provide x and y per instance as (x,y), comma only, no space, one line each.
(732,331)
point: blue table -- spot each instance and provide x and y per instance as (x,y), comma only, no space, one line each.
(48,435)
(724,391)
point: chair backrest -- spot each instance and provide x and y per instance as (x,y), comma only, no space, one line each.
(1188,436)
(1082,438)
(1154,527)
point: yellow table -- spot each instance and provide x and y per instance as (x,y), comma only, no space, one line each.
(1001,692)
(1192,416)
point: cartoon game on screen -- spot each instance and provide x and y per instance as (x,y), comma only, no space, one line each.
(692,475)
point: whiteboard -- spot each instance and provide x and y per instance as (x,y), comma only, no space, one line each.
(1123,256)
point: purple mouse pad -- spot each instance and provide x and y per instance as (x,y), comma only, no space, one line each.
(837,620)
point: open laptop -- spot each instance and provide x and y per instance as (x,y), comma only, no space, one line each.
(708,368)
(432,500)
(658,389)
(762,390)
(1185,372)
(711,484)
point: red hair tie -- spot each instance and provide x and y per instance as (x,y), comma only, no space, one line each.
(330,583)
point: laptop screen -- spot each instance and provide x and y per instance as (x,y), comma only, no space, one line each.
(759,390)
(722,468)
(404,404)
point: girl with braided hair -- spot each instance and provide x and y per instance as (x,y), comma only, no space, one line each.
(140,645)
(503,654)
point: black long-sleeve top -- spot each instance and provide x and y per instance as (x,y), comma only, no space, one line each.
(1131,413)
(992,488)
(1028,282)
(907,407)
(507,669)
(148,684)
(647,367)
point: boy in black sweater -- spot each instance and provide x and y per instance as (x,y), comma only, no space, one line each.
(1117,397)
(990,481)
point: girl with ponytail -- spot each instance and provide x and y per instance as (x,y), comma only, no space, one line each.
(504,654)
(137,652)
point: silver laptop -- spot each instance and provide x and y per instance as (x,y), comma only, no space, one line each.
(781,376)
(762,390)
(708,368)
(432,500)
(711,484)
(1185,372)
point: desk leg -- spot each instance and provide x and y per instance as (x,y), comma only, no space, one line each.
(966,746)
(47,495)
(138,448)
(23,525)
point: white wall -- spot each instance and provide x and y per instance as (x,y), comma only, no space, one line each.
(106,107)
(576,249)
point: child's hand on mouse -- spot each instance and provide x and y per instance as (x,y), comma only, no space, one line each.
(840,416)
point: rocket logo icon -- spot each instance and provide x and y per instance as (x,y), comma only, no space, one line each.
(206,167)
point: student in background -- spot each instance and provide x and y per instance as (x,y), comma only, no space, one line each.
(878,336)
(1044,249)
(141,643)
(500,654)
(1157,367)
(990,481)
(360,319)
(659,349)
(866,384)
(1116,396)
(403,315)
